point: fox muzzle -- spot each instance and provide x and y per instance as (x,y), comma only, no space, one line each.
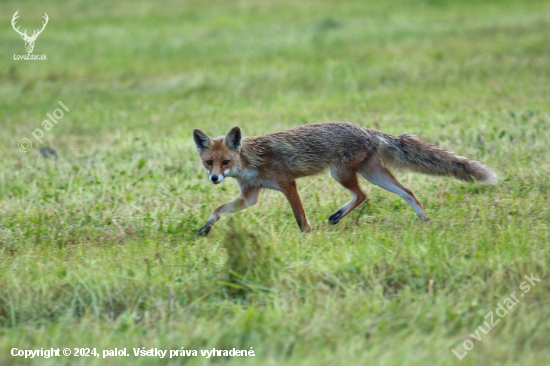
(216,179)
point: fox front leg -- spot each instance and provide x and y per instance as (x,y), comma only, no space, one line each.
(291,194)
(248,197)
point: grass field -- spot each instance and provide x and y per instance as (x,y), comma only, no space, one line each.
(97,247)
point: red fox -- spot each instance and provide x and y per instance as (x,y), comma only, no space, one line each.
(276,160)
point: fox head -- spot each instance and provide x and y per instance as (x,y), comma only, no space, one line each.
(220,156)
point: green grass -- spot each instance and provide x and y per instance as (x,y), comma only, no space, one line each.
(97,248)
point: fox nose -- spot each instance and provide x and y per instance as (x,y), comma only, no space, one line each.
(216,179)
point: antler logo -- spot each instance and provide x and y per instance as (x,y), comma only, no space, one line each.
(29,41)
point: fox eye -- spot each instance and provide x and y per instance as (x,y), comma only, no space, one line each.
(208,162)
(225,162)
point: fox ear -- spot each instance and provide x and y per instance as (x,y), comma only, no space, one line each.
(202,140)
(234,138)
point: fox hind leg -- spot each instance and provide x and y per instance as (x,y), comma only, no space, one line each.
(379,175)
(348,179)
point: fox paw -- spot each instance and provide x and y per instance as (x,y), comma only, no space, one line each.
(424,218)
(335,217)
(203,231)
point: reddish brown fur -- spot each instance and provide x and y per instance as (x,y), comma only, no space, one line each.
(218,153)
(277,159)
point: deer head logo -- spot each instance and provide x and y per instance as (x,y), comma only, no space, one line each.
(29,41)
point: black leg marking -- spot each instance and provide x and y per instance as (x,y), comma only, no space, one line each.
(335,217)
(203,231)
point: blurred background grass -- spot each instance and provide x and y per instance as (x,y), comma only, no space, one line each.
(97,247)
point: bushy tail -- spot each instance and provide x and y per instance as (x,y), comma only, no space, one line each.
(409,152)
